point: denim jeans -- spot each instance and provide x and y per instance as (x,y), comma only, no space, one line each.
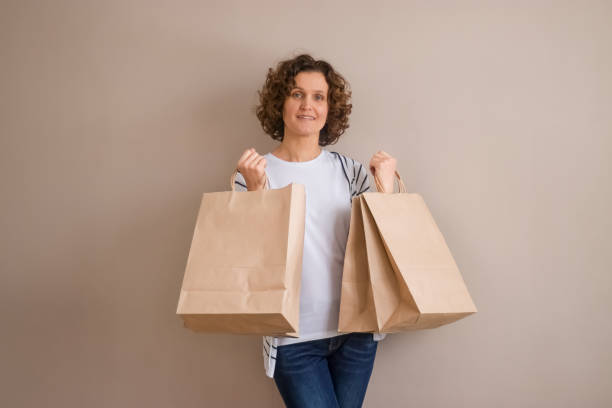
(326,373)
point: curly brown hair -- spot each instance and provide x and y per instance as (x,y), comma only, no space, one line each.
(278,86)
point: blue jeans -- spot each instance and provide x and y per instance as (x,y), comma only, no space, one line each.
(326,373)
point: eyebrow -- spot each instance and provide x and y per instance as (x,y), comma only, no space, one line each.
(317,90)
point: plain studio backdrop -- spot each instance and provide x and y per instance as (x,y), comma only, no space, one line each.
(117,115)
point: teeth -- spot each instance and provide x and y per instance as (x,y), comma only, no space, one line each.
(305,117)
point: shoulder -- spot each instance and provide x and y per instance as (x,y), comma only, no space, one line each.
(355,172)
(349,164)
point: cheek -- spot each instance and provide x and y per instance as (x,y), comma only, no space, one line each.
(286,110)
(323,113)
(289,107)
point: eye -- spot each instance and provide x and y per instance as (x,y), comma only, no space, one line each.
(297,94)
(319,97)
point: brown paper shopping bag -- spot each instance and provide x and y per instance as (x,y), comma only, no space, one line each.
(243,272)
(357,312)
(399,273)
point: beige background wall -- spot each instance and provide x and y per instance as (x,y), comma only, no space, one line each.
(117,115)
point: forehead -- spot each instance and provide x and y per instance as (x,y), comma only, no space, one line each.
(311,81)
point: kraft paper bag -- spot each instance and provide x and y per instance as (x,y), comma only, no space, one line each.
(405,277)
(243,272)
(356,299)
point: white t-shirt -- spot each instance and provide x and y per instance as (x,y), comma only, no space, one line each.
(330,181)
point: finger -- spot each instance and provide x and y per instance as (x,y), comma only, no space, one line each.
(260,164)
(245,156)
(385,159)
(248,163)
(246,153)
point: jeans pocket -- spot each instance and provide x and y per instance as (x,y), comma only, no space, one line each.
(298,357)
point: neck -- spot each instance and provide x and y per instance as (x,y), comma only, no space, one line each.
(298,148)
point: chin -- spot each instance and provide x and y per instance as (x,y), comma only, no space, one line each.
(305,131)
(309,130)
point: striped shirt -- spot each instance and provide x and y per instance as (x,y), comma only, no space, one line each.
(356,177)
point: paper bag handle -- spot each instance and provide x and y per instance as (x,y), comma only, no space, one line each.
(233,181)
(400,184)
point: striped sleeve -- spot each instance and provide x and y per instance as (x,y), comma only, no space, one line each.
(362,181)
(270,346)
(356,174)
(239,183)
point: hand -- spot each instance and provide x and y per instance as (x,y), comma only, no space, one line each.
(382,166)
(252,166)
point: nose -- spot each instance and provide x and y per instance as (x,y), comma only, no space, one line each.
(306,102)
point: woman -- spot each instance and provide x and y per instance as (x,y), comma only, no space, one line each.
(304,104)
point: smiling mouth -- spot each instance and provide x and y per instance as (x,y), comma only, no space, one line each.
(305,117)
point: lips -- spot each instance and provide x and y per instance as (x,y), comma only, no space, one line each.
(307,117)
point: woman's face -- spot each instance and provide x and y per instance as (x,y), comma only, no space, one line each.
(305,109)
